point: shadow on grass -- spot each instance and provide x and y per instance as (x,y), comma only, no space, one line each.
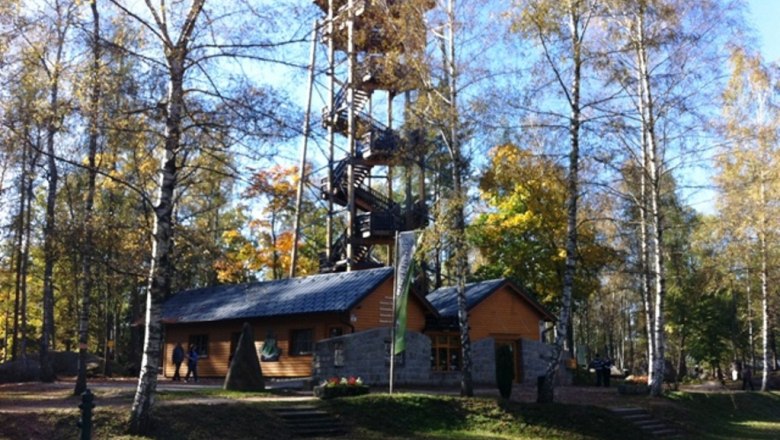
(187,422)
(752,415)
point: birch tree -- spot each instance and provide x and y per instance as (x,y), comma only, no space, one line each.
(559,30)
(748,170)
(176,50)
(451,136)
(663,51)
(198,103)
(438,115)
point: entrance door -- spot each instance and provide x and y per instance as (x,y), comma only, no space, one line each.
(514,347)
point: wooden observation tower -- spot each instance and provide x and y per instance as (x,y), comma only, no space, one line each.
(377,40)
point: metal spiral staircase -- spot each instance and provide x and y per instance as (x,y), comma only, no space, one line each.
(378,49)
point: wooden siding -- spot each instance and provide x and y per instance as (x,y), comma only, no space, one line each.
(220,333)
(504,315)
(376,310)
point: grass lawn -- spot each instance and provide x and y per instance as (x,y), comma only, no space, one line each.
(726,415)
(417,416)
(215,414)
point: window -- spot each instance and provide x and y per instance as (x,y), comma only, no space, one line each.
(400,358)
(335,331)
(445,353)
(201,343)
(301,342)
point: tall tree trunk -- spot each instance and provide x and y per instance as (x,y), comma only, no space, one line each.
(87,249)
(25,258)
(546,393)
(18,245)
(656,232)
(49,257)
(458,225)
(161,271)
(764,284)
(644,251)
(276,270)
(751,338)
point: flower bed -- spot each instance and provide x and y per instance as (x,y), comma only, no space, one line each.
(341,387)
(634,385)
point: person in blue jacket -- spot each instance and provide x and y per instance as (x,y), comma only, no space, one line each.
(192,364)
(597,364)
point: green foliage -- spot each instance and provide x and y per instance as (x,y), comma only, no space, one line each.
(522,235)
(505,370)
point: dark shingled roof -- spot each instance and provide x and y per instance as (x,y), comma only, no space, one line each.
(333,292)
(445,299)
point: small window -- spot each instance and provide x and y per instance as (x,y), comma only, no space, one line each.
(301,342)
(445,353)
(335,331)
(201,343)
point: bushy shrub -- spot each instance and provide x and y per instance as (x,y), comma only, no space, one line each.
(505,370)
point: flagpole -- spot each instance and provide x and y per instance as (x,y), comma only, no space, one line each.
(392,327)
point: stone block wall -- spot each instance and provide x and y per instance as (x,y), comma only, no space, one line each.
(535,356)
(366,355)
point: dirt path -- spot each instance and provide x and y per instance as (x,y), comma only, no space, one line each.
(35,396)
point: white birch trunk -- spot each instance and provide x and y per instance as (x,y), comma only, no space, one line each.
(547,393)
(764,285)
(656,232)
(161,271)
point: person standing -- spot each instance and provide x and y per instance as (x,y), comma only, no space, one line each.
(192,364)
(606,370)
(178,358)
(597,364)
(747,378)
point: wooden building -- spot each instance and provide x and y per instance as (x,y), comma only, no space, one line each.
(498,309)
(294,313)
(290,316)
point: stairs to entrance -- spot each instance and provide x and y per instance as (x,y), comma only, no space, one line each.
(646,422)
(308,421)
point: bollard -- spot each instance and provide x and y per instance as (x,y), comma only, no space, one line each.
(85,423)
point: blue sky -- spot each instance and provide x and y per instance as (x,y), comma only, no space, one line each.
(764,16)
